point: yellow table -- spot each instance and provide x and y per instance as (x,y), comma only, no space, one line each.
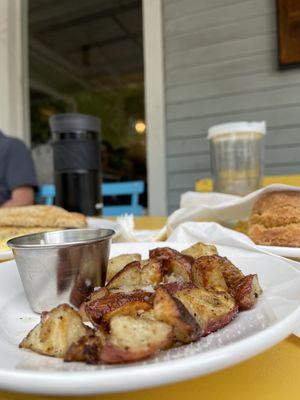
(273,375)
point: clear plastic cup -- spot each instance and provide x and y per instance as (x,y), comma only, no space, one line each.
(237,156)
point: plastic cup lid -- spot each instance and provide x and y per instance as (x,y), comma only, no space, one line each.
(234,127)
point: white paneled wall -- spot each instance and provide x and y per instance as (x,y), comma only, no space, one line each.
(221,65)
(14,95)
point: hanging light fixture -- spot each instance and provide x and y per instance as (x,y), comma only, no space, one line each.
(140,127)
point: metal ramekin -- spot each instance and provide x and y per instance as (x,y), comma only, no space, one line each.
(61,266)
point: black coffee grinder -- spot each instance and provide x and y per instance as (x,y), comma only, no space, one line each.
(77,164)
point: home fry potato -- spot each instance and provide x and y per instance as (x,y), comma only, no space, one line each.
(87,349)
(102,310)
(247,291)
(99,293)
(212,310)
(129,276)
(134,339)
(152,273)
(170,310)
(57,330)
(180,267)
(207,272)
(163,253)
(117,263)
(200,249)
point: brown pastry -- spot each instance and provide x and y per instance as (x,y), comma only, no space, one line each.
(41,216)
(275,219)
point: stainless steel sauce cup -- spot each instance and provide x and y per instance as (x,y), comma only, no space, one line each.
(61,266)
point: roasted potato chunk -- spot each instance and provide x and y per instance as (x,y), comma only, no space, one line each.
(200,249)
(87,349)
(212,310)
(180,267)
(163,253)
(247,291)
(57,330)
(207,272)
(97,294)
(134,339)
(151,273)
(170,310)
(101,311)
(231,273)
(130,275)
(149,314)
(173,287)
(117,263)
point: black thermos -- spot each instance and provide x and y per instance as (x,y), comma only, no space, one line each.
(76,151)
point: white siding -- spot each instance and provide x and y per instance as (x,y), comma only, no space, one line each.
(220,66)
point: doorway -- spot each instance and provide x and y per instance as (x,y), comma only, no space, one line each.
(88,57)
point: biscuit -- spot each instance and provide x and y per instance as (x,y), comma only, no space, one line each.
(275,219)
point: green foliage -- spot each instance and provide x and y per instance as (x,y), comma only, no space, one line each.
(117,109)
(40,111)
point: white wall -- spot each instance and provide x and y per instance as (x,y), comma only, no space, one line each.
(221,65)
(14,96)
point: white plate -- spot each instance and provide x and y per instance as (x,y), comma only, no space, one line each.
(93,222)
(289,252)
(274,317)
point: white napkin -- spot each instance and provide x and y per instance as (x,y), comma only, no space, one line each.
(217,206)
(196,206)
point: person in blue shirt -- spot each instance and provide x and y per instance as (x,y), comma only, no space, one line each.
(17,174)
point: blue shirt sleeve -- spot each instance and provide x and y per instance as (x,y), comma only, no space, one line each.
(19,169)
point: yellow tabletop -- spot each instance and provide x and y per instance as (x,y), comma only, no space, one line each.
(273,375)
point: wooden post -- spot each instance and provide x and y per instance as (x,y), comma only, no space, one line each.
(155,106)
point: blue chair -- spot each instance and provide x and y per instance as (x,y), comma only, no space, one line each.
(46,195)
(133,188)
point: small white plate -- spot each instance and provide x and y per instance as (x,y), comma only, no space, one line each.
(273,318)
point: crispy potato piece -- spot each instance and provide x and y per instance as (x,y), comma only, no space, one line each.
(130,275)
(86,349)
(212,310)
(207,272)
(101,333)
(173,287)
(231,273)
(101,311)
(134,339)
(149,314)
(57,330)
(97,294)
(247,292)
(180,267)
(117,263)
(200,249)
(245,289)
(163,253)
(170,310)
(151,273)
